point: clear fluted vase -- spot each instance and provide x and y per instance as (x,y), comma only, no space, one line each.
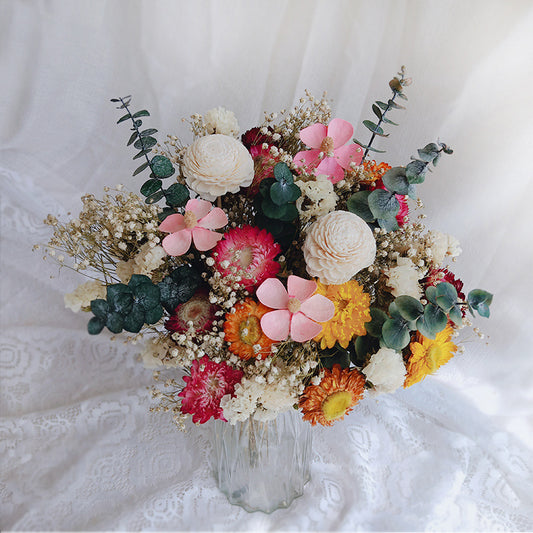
(262,466)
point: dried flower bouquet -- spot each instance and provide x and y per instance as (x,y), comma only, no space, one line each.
(286,269)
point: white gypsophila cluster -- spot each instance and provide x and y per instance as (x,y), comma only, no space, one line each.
(337,246)
(221,120)
(403,278)
(318,198)
(84,294)
(155,351)
(386,370)
(264,401)
(442,245)
(217,164)
(146,260)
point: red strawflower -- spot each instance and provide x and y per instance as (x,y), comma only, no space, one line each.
(249,251)
(264,163)
(254,137)
(207,384)
(198,310)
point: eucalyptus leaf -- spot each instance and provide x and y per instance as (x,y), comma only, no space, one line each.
(134,135)
(435,318)
(431,294)
(374,128)
(150,187)
(358,204)
(455,315)
(142,153)
(396,181)
(134,321)
(410,308)
(142,113)
(154,314)
(416,171)
(149,131)
(100,308)
(95,326)
(122,119)
(446,295)
(145,143)
(378,318)
(162,166)
(394,105)
(377,111)
(283,192)
(141,168)
(282,173)
(388,224)
(383,105)
(177,195)
(114,322)
(395,334)
(383,204)
(152,199)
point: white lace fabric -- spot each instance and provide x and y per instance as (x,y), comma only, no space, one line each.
(79,449)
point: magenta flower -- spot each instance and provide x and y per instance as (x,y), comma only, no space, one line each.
(208,383)
(297,309)
(194,226)
(331,142)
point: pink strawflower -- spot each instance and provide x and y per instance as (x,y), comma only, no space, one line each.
(297,309)
(195,225)
(248,252)
(198,310)
(329,140)
(264,163)
(209,381)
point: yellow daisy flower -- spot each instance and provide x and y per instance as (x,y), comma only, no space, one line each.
(428,355)
(352,310)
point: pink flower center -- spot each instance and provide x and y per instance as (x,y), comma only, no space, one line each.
(244,256)
(294,305)
(327,146)
(190,219)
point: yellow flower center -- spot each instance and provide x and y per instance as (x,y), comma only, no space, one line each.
(190,219)
(250,330)
(294,305)
(327,146)
(335,405)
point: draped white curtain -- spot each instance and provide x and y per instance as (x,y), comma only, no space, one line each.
(79,449)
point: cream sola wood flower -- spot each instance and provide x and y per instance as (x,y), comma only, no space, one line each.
(337,246)
(217,164)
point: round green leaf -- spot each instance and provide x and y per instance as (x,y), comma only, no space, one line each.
(455,315)
(284,193)
(177,195)
(395,334)
(435,318)
(114,290)
(150,187)
(396,181)
(144,143)
(152,199)
(122,303)
(431,294)
(137,280)
(100,309)
(378,318)
(383,204)
(410,308)
(264,187)
(114,322)
(134,321)
(161,166)
(388,224)
(358,204)
(416,171)
(282,173)
(446,295)
(154,314)
(95,326)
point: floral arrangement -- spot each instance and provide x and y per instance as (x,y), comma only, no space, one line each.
(285,270)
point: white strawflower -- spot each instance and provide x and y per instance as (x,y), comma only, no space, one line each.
(217,164)
(242,404)
(321,195)
(403,279)
(386,370)
(337,246)
(84,294)
(221,120)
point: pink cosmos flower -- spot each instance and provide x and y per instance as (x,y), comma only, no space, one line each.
(195,225)
(209,381)
(329,140)
(297,309)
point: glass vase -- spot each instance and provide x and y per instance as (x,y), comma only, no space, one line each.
(262,466)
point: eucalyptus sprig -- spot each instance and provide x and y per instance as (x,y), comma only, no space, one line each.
(160,166)
(380,109)
(381,206)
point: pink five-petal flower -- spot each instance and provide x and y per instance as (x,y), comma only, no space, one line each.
(331,142)
(297,310)
(195,226)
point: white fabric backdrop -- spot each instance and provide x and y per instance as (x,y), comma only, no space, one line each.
(79,449)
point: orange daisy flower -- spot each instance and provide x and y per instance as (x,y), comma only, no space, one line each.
(339,390)
(352,311)
(428,355)
(243,330)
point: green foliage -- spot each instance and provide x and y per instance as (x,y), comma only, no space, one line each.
(275,205)
(408,307)
(178,287)
(358,204)
(160,166)
(380,109)
(395,333)
(383,204)
(378,318)
(127,307)
(395,180)
(479,300)
(335,356)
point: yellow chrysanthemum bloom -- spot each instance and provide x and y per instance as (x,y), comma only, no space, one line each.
(352,311)
(428,355)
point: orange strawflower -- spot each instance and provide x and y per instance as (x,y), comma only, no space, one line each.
(352,311)
(339,390)
(243,330)
(375,171)
(428,355)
